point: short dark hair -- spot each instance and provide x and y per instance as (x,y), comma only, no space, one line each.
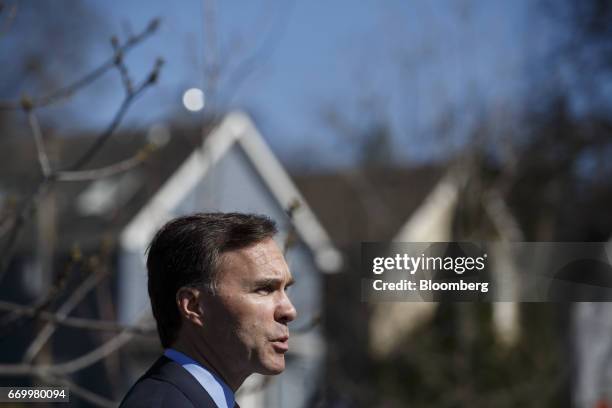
(186,252)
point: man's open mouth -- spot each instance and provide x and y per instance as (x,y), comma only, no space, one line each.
(281,344)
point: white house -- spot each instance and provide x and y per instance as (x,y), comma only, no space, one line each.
(234,170)
(433,221)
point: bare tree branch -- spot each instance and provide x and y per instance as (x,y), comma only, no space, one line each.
(113,169)
(123,108)
(120,64)
(69,90)
(8,321)
(74,365)
(29,204)
(27,208)
(43,159)
(73,300)
(76,322)
(292,235)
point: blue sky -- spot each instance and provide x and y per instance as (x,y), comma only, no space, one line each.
(411,62)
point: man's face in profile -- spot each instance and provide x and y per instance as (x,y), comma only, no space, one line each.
(246,321)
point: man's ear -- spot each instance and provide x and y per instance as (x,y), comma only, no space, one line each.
(188,301)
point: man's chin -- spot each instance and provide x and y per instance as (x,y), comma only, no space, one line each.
(273,368)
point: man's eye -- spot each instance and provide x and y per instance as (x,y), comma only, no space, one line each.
(265,290)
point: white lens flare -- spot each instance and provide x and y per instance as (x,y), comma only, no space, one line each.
(193,99)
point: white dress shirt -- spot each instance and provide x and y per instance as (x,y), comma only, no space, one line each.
(221,394)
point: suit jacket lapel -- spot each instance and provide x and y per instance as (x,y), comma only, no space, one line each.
(167,370)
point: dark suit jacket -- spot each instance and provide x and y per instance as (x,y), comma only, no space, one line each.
(167,385)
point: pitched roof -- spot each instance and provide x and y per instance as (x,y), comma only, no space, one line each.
(367,204)
(235,128)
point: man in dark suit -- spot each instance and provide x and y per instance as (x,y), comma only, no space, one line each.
(217,284)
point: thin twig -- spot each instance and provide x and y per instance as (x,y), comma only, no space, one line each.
(43,158)
(111,170)
(75,298)
(55,290)
(292,236)
(123,108)
(76,322)
(123,72)
(121,67)
(71,366)
(69,90)
(27,208)
(11,320)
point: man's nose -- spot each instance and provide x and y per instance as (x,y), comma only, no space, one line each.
(285,312)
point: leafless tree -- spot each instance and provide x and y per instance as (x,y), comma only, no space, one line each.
(53,310)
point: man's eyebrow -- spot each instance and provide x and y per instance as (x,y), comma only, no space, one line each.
(273,282)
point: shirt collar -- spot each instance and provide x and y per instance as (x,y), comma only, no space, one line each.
(220,392)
